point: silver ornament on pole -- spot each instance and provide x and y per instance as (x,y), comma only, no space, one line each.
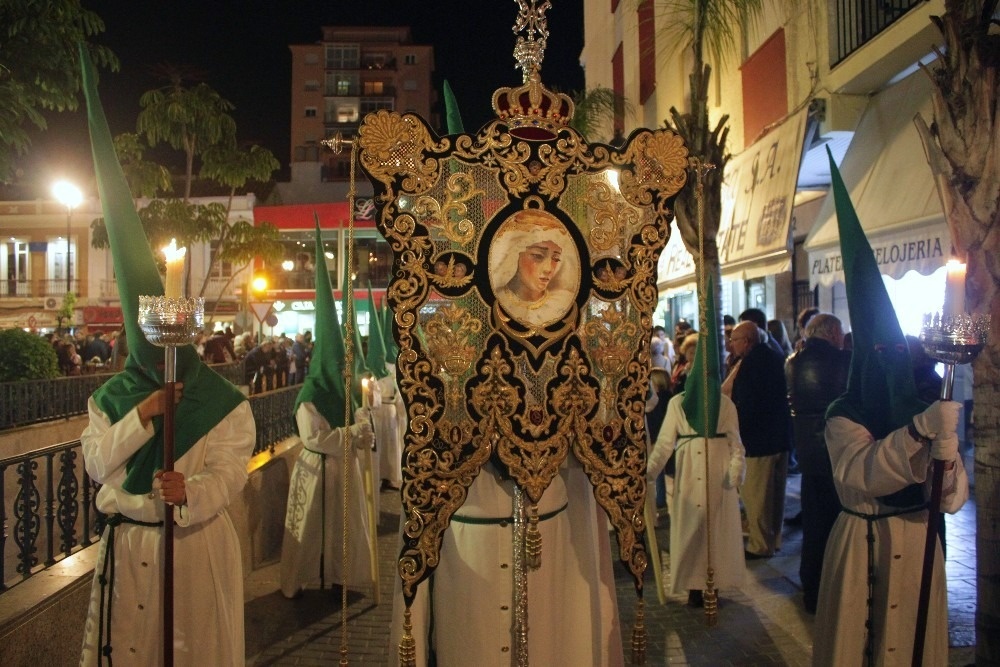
(952,340)
(170,323)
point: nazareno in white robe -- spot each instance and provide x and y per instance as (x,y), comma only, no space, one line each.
(388,417)
(208,569)
(727,467)
(311,531)
(572,608)
(863,470)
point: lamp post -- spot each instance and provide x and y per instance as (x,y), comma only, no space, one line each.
(259,286)
(69,196)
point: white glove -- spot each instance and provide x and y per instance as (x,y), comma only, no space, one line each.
(939,420)
(364,437)
(734,476)
(945,449)
(363,416)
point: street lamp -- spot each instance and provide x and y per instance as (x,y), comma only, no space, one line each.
(69,196)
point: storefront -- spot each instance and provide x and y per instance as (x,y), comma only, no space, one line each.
(892,188)
(754,236)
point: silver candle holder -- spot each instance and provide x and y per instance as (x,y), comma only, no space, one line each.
(954,340)
(170,323)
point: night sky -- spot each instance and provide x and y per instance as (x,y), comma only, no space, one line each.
(241,46)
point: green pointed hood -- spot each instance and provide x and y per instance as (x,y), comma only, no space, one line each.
(358,370)
(703,388)
(453,117)
(208,397)
(376,344)
(388,340)
(324,383)
(881,392)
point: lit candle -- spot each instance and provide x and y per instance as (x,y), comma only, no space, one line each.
(364,392)
(174,288)
(954,289)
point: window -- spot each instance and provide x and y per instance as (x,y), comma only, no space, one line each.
(221,269)
(310,112)
(371,104)
(342,110)
(343,56)
(410,59)
(14,261)
(312,85)
(374,88)
(372,259)
(647,50)
(341,83)
(55,263)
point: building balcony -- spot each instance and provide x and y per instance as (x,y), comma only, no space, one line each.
(28,289)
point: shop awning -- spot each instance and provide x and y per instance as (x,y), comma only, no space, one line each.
(757,200)
(892,188)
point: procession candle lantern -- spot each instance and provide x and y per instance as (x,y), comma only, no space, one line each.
(364,392)
(954,290)
(174,287)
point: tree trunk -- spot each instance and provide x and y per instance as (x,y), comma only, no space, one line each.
(963,150)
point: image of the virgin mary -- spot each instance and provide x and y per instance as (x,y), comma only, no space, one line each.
(534,267)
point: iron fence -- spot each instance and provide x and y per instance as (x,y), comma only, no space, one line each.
(49,509)
(32,401)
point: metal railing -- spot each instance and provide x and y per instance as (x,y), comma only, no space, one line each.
(49,499)
(856,22)
(32,401)
(53,517)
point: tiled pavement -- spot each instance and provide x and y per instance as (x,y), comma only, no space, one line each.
(763,624)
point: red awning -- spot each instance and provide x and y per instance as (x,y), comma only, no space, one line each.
(301,216)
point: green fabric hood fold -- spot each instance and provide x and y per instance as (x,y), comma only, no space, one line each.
(207,397)
(703,387)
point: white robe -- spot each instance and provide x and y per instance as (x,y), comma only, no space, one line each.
(727,467)
(863,470)
(572,608)
(314,527)
(388,418)
(208,572)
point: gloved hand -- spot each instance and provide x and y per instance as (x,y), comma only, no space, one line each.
(363,416)
(734,476)
(364,437)
(939,420)
(945,449)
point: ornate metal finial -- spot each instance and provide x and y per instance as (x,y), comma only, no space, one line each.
(529,51)
(336,143)
(531,111)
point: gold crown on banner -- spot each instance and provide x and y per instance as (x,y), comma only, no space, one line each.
(532,111)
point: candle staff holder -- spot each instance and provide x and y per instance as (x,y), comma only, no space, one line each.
(169,323)
(952,341)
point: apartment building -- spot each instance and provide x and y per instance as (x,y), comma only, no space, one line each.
(810,75)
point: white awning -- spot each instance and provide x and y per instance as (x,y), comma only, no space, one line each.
(886,172)
(757,198)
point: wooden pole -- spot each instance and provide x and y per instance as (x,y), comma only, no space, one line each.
(170,389)
(930,543)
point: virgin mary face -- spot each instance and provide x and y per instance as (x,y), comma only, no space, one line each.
(537,265)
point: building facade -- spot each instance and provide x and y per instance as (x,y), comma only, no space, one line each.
(809,75)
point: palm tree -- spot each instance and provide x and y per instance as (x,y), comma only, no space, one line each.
(594,110)
(964,155)
(709,29)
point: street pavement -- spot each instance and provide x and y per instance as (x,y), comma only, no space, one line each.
(763,624)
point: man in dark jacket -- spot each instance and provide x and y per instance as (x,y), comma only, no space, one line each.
(759,392)
(816,375)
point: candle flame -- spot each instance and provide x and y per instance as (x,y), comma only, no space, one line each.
(172,253)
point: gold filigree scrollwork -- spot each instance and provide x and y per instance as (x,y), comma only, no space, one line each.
(451,345)
(393,145)
(612,217)
(450,218)
(659,163)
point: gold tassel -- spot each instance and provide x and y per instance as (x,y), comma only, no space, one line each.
(533,541)
(639,634)
(711,600)
(407,646)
